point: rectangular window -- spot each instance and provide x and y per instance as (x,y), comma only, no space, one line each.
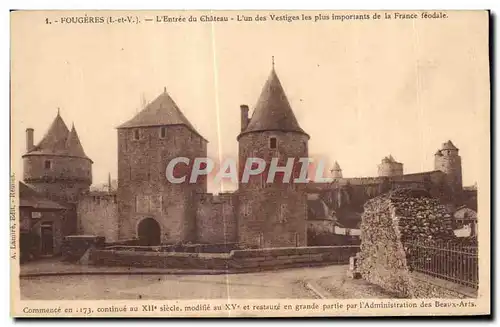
(297,239)
(163,132)
(273,143)
(282,213)
(36,215)
(47,164)
(136,134)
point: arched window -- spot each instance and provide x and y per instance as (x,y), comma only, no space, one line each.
(48,164)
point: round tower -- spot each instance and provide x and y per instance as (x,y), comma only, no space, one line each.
(58,166)
(272,213)
(449,162)
(390,167)
(150,206)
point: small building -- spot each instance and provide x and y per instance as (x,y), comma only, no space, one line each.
(41,223)
(465,219)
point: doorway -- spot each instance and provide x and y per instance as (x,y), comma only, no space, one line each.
(47,238)
(149,232)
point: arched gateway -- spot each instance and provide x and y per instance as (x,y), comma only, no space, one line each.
(149,232)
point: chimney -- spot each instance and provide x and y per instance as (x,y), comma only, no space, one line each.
(244,116)
(30,139)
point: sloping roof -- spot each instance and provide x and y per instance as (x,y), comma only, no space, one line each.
(336,166)
(162,111)
(317,209)
(29,197)
(73,144)
(59,141)
(273,111)
(449,146)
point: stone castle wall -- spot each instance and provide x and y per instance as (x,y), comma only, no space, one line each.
(389,222)
(279,223)
(65,180)
(144,191)
(62,167)
(275,214)
(451,164)
(98,215)
(390,169)
(215,219)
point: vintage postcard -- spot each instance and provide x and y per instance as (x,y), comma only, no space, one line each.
(249,163)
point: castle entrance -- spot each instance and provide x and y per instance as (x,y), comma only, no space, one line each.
(149,232)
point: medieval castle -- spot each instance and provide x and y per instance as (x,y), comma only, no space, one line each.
(55,196)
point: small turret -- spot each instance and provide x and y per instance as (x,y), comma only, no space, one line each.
(449,162)
(390,167)
(57,166)
(336,170)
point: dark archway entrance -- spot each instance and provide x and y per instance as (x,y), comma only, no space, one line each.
(149,232)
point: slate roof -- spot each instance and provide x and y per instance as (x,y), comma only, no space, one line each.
(29,197)
(54,141)
(449,146)
(73,144)
(162,111)
(59,140)
(273,111)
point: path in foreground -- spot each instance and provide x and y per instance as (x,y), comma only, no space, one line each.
(289,283)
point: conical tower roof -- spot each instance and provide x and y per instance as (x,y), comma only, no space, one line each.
(162,111)
(449,146)
(54,141)
(59,141)
(336,166)
(273,111)
(74,147)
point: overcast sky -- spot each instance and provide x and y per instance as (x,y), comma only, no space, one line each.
(361,89)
